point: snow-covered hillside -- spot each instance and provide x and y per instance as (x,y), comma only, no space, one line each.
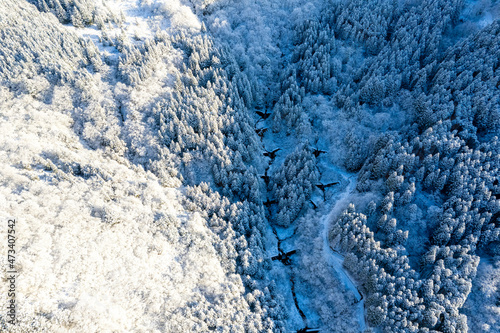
(251,166)
(102,245)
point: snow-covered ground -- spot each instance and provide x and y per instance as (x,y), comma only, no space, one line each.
(108,240)
(334,258)
(102,245)
(484,296)
(330,205)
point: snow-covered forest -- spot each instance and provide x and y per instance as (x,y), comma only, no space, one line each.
(251,165)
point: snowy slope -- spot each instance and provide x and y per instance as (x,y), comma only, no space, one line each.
(105,248)
(103,245)
(157,154)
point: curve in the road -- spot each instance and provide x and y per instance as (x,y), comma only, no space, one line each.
(335,259)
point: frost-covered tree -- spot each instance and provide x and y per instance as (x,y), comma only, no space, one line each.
(293,183)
